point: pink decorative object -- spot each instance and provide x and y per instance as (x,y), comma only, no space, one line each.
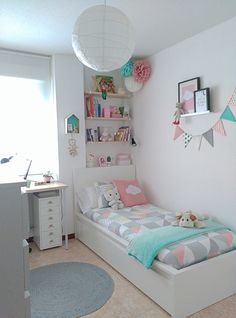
(123,159)
(106,112)
(130,192)
(141,71)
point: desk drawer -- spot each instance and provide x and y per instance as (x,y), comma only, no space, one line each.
(50,225)
(48,235)
(48,202)
(50,210)
(48,242)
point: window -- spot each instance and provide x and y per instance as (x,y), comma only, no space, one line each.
(28,127)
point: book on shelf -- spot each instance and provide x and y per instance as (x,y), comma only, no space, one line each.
(123,134)
(97,107)
(90,106)
(92,135)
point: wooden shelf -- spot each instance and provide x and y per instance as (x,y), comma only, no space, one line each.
(107,142)
(116,95)
(112,166)
(109,118)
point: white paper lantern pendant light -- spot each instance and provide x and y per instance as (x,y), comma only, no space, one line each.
(103,38)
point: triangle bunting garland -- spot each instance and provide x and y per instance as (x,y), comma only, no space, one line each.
(187,139)
(178,132)
(227,114)
(209,137)
(219,127)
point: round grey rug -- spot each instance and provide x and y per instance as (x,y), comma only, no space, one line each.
(68,290)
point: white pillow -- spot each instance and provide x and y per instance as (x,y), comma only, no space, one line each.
(87,199)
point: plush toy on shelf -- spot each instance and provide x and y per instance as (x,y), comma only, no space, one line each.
(106,135)
(179,111)
(113,198)
(189,219)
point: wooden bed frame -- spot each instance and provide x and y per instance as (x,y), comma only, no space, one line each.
(180,292)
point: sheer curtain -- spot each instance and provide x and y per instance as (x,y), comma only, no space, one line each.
(28,127)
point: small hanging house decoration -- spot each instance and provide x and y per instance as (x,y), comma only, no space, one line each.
(72,124)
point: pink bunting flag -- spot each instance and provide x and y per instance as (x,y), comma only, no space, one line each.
(178,132)
(219,127)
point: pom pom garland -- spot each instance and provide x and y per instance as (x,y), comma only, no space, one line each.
(126,70)
(141,71)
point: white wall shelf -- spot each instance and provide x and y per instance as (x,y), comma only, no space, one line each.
(195,114)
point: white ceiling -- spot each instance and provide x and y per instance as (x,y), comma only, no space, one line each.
(45,26)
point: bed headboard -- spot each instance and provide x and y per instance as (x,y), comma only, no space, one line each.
(83,177)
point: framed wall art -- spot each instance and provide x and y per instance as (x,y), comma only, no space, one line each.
(186,94)
(202,100)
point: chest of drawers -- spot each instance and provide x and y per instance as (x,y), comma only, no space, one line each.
(47,221)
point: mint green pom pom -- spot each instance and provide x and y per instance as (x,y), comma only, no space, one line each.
(126,70)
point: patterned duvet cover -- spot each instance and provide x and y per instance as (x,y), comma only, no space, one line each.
(127,222)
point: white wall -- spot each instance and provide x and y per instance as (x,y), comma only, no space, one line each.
(69,98)
(177,178)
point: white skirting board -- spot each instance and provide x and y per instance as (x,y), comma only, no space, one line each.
(180,292)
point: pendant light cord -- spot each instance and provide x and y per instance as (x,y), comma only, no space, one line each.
(103,31)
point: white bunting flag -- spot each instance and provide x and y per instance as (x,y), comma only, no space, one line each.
(187,139)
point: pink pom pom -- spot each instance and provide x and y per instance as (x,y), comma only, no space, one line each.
(141,71)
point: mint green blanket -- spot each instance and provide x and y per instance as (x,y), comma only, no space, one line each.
(146,245)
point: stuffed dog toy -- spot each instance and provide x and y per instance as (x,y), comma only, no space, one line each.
(189,219)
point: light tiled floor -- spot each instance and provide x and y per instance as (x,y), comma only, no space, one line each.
(127,301)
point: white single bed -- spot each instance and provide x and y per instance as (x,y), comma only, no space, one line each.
(180,292)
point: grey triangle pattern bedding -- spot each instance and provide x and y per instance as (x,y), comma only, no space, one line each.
(127,222)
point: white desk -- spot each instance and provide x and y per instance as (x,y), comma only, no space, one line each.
(50,187)
(14,264)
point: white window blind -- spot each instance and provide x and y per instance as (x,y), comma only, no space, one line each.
(28,127)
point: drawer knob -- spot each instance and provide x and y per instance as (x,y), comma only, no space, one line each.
(50,210)
(51,241)
(50,218)
(50,225)
(49,202)
(51,233)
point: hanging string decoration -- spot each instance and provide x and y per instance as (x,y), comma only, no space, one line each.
(127,69)
(218,127)
(73,149)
